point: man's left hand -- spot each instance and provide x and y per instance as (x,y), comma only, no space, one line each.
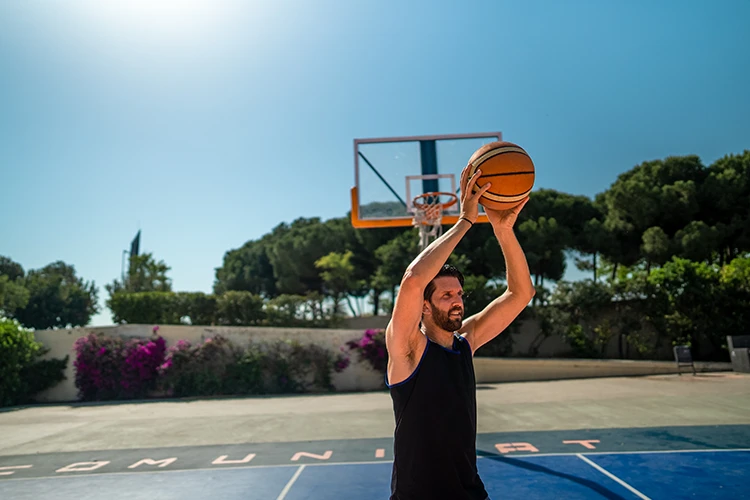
(503,220)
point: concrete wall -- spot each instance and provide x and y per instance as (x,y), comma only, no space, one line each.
(525,335)
(358,376)
(495,370)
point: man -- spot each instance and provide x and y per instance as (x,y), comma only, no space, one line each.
(430,371)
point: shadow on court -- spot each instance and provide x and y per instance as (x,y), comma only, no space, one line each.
(668,436)
(532,467)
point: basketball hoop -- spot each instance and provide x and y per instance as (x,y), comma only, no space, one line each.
(428,214)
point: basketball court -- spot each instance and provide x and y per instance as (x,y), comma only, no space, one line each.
(657,463)
(671,437)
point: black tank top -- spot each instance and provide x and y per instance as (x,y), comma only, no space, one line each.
(436,425)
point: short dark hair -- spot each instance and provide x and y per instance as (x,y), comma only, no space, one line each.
(446,270)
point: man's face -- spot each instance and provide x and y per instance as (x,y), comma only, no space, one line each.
(447,303)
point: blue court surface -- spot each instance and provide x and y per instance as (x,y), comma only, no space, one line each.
(684,466)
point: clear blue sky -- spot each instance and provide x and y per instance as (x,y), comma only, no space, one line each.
(207,123)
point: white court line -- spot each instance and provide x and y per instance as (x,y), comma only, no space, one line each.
(612,476)
(570,454)
(12,469)
(290,483)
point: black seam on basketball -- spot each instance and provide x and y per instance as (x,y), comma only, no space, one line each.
(492,153)
(504,198)
(506,173)
(494,193)
(498,153)
(506,195)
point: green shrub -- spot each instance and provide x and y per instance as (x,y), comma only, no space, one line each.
(245,374)
(199,307)
(681,302)
(232,308)
(240,308)
(22,373)
(286,309)
(146,308)
(577,314)
(289,366)
(197,370)
(300,310)
(216,366)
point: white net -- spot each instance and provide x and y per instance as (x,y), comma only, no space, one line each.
(428,216)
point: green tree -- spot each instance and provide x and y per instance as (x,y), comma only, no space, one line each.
(698,241)
(571,212)
(582,304)
(145,275)
(13,295)
(683,300)
(57,298)
(294,251)
(337,271)
(594,240)
(735,283)
(481,251)
(248,269)
(656,246)
(725,204)
(240,308)
(544,242)
(395,256)
(659,193)
(13,270)
(365,260)
(479,291)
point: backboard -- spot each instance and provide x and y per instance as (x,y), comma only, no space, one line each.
(390,172)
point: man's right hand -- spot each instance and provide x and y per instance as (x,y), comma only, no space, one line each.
(469,199)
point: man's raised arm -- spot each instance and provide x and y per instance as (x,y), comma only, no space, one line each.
(403,328)
(493,319)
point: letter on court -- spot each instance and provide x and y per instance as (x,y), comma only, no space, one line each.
(324,456)
(222,460)
(148,461)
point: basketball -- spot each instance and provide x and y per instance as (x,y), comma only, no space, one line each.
(510,170)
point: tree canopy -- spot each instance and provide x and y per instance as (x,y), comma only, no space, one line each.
(657,211)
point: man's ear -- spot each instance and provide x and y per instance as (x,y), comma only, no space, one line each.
(426,307)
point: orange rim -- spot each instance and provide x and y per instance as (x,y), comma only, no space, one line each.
(447,204)
(407,221)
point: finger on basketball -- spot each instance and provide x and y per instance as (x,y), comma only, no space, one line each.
(484,189)
(521,205)
(473,180)
(465,180)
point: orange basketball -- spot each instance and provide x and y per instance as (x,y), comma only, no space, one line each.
(510,170)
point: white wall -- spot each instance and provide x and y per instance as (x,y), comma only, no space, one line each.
(358,376)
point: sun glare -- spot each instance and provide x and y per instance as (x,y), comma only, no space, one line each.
(160,19)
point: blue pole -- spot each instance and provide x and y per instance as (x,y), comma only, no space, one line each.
(428,155)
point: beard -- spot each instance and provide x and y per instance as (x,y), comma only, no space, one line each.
(444,320)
